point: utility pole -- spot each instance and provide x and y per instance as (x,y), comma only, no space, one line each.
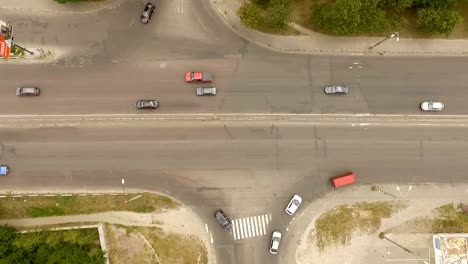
(396,34)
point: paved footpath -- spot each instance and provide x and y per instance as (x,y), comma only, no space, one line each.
(315,43)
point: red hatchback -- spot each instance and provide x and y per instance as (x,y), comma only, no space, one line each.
(342,180)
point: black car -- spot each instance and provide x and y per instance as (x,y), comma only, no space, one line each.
(223,220)
(147,13)
(146,104)
(336,89)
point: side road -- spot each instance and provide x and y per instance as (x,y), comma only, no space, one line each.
(315,43)
(299,248)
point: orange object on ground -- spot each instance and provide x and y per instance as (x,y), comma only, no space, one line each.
(342,180)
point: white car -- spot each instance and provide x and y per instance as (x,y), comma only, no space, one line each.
(275,242)
(432,106)
(293,204)
(206,91)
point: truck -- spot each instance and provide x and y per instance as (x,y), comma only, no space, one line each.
(199,77)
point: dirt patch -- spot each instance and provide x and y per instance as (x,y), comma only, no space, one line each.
(126,246)
(337,227)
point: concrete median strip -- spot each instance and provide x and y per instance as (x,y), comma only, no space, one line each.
(353,120)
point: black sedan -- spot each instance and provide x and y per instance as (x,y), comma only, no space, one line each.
(147,13)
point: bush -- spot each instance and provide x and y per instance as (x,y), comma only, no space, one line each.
(397,5)
(349,17)
(279,14)
(250,15)
(437,20)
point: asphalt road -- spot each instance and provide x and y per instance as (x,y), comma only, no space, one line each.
(248,170)
(256,82)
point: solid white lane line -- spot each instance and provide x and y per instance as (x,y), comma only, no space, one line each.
(211,237)
(206,227)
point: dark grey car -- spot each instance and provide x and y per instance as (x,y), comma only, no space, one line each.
(336,89)
(146,104)
(223,220)
(147,13)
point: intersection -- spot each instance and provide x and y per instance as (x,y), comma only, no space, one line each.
(270,131)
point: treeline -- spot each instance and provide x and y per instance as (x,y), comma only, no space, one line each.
(48,249)
(354,17)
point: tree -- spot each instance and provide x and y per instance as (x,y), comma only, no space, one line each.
(279,14)
(250,15)
(342,18)
(350,17)
(438,3)
(437,20)
(397,5)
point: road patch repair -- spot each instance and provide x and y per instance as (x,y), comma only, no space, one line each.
(426,224)
(137,227)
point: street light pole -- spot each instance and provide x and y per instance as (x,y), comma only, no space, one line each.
(396,34)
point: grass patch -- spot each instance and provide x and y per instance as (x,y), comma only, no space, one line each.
(41,206)
(175,248)
(450,218)
(88,236)
(337,226)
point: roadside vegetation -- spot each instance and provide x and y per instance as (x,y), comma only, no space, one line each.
(41,206)
(337,226)
(450,218)
(412,18)
(71,246)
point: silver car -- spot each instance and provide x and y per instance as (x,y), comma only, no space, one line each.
(206,91)
(432,106)
(336,89)
(28,91)
(146,104)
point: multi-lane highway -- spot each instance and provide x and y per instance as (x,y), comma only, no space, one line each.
(250,169)
(247,165)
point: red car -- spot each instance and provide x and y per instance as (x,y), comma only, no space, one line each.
(199,77)
(344,179)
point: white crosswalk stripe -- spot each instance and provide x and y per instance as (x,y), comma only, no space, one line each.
(251,226)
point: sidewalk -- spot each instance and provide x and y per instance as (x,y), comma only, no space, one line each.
(315,43)
(299,248)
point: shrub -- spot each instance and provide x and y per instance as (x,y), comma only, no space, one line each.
(437,20)
(250,15)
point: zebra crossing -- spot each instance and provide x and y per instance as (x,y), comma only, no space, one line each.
(250,226)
